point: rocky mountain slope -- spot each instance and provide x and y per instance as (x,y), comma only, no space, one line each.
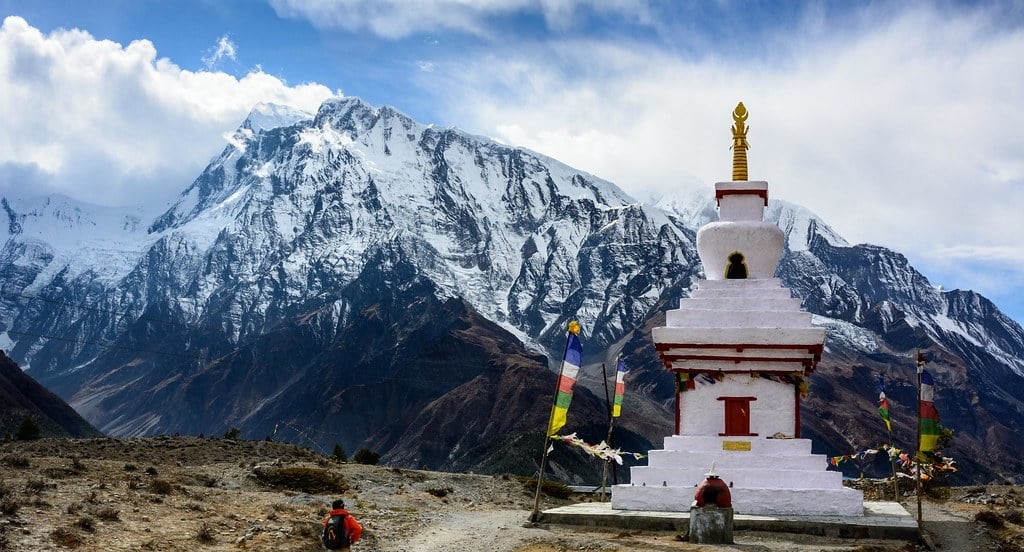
(22,398)
(356,277)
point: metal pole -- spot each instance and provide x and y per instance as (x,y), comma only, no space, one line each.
(547,438)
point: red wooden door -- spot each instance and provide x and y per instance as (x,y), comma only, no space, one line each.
(737,415)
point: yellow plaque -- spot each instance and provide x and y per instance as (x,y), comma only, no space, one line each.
(735,445)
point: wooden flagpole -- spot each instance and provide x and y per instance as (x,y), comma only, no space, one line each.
(892,459)
(608,405)
(917,454)
(547,437)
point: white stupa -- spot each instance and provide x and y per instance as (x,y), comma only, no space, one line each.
(741,350)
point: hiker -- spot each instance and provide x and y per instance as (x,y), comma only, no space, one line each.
(341,530)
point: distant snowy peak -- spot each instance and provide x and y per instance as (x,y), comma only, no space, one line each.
(694,207)
(800,225)
(54,217)
(268,116)
(73,237)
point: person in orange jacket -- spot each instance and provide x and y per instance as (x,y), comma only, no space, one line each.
(341,530)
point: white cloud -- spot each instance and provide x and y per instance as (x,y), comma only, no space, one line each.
(115,124)
(401,18)
(907,132)
(224,49)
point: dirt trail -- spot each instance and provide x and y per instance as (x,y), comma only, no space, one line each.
(947,529)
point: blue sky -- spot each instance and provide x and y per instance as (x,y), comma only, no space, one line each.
(900,123)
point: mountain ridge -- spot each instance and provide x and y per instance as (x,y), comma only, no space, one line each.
(297,238)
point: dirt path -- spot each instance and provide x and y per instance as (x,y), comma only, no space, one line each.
(947,529)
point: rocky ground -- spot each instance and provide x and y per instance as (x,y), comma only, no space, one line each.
(194,494)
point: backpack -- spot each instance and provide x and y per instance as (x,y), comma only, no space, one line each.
(335,536)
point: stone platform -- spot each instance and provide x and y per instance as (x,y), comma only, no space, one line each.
(881,520)
(768,477)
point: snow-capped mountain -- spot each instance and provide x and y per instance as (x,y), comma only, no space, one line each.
(356,264)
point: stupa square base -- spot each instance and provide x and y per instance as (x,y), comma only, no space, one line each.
(880,520)
(751,501)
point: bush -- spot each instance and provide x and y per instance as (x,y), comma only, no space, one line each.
(66,538)
(35,486)
(441,492)
(366,456)
(339,453)
(1014,515)
(108,514)
(549,488)
(9,506)
(86,524)
(161,486)
(233,433)
(990,518)
(307,480)
(17,461)
(28,430)
(205,534)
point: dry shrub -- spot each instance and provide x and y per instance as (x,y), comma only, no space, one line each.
(1014,515)
(134,483)
(67,539)
(441,492)
(9,506)
(161,487)
(151,471)
(17,461)
(205,534)
(35,486)
(307,480)
(87,524)
(549,488)
(990,518)
(307,530)
(108,514)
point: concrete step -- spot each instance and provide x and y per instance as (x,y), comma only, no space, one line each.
(739,477)
(758,445)
(748,283)
(751,501)
(735,459)
(762,293)
(699,318)
(756,304)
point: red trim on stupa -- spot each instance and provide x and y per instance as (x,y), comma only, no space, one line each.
(664,346)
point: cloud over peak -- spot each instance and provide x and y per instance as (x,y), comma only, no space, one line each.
(116,124)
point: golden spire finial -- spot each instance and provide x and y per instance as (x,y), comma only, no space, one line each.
(739,143)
